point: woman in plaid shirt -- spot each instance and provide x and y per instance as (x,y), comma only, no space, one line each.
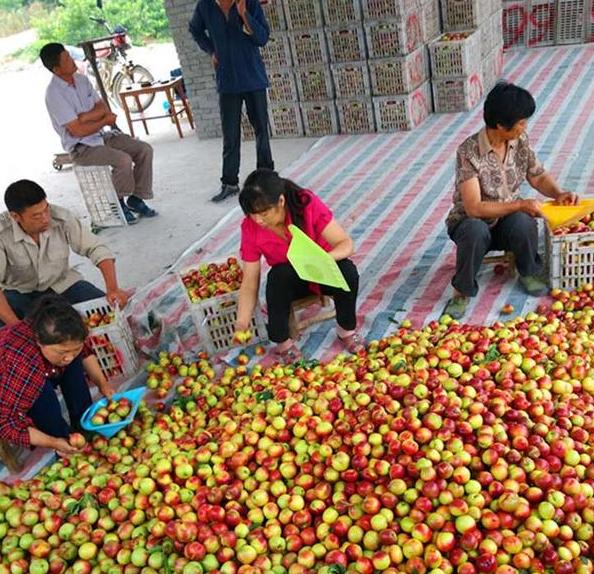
(38,354)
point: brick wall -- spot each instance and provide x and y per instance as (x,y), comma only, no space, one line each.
(197,69)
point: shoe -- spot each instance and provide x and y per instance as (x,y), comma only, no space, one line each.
(130,217)
(353,343)
(226,191)
(138,206)
(456,307)
(534,286)
(290,355)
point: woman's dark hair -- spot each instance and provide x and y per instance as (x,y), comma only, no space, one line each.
(506,105)
(50,55)
(22,194)
(56,321)
(262,190)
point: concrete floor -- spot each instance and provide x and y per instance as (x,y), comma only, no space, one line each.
(186,170)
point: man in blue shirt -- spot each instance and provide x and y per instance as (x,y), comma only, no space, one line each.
(80,117)
(232,32)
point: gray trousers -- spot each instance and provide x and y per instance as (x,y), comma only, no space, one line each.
(131,162)
(473,237)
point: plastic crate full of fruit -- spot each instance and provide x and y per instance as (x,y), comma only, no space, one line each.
(213,292)
(110,338)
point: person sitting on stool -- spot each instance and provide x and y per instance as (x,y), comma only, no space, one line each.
(35,242)
(79,116)
(45,351)
(488,212)
(271,203)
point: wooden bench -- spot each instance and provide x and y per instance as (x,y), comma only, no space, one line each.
(297,324)
(507,259)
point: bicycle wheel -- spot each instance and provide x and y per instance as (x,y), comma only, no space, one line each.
(137,75)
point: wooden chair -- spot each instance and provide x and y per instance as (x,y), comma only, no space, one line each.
(507,259)
(9,458)
(297,323)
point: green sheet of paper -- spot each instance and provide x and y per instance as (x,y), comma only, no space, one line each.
(312,262)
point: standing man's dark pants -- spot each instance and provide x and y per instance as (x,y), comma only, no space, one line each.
(21,303)
(257,112)
(283,286)
(517,233)
(46,412)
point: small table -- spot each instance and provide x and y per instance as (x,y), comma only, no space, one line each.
(170,87)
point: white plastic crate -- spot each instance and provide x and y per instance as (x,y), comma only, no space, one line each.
(452,58)
(99,195)
(346,43)
(492,68)
(351,79)
(387,9)
(112,344)
(319,118)
(514,27)
(400,75)
(490,33)
(215,318)
(309,47)
(247,130)
(572,21)
(497,29)
(303,14)
(394,37)
(355,116)
(314,83)
(430,20)
(457,94)
(337,12)
(569,259)
(285,120)
(275,15)
(541,23)
(403,113)
(282,85)
(458,15)
(277,51)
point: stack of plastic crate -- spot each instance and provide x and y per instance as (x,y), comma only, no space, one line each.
(283,111)
(398,65)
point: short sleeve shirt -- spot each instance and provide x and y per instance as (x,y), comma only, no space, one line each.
(499,182)
(257,241)
(65,102)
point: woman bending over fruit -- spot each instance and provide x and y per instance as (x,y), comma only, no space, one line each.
(271,203)
(488,212)
(44,351)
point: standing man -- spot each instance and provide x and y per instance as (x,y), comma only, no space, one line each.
(232,32)
(79,116)
(35,242)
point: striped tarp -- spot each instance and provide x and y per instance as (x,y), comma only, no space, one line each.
(393,191)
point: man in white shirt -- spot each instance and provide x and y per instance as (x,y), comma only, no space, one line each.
(80,117)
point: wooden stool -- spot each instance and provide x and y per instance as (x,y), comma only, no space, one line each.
(9,458)
(506,259)
(327,311)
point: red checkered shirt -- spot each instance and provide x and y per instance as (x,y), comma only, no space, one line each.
(23,373)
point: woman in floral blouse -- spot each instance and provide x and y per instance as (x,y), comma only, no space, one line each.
(488,212)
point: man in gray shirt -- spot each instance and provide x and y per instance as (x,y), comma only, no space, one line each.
(35,242)
(80,117)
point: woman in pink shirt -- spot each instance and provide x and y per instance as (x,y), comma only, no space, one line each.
(271,203)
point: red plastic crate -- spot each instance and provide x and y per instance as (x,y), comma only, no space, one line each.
(338,12)
(355,116)
(457,94)
(277,51)
(400,75)
(351,79)
(275,15)
(394,37)
(319,118)
(285,120)
(314,83)
(403,113)
(453,58)
(346,43)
